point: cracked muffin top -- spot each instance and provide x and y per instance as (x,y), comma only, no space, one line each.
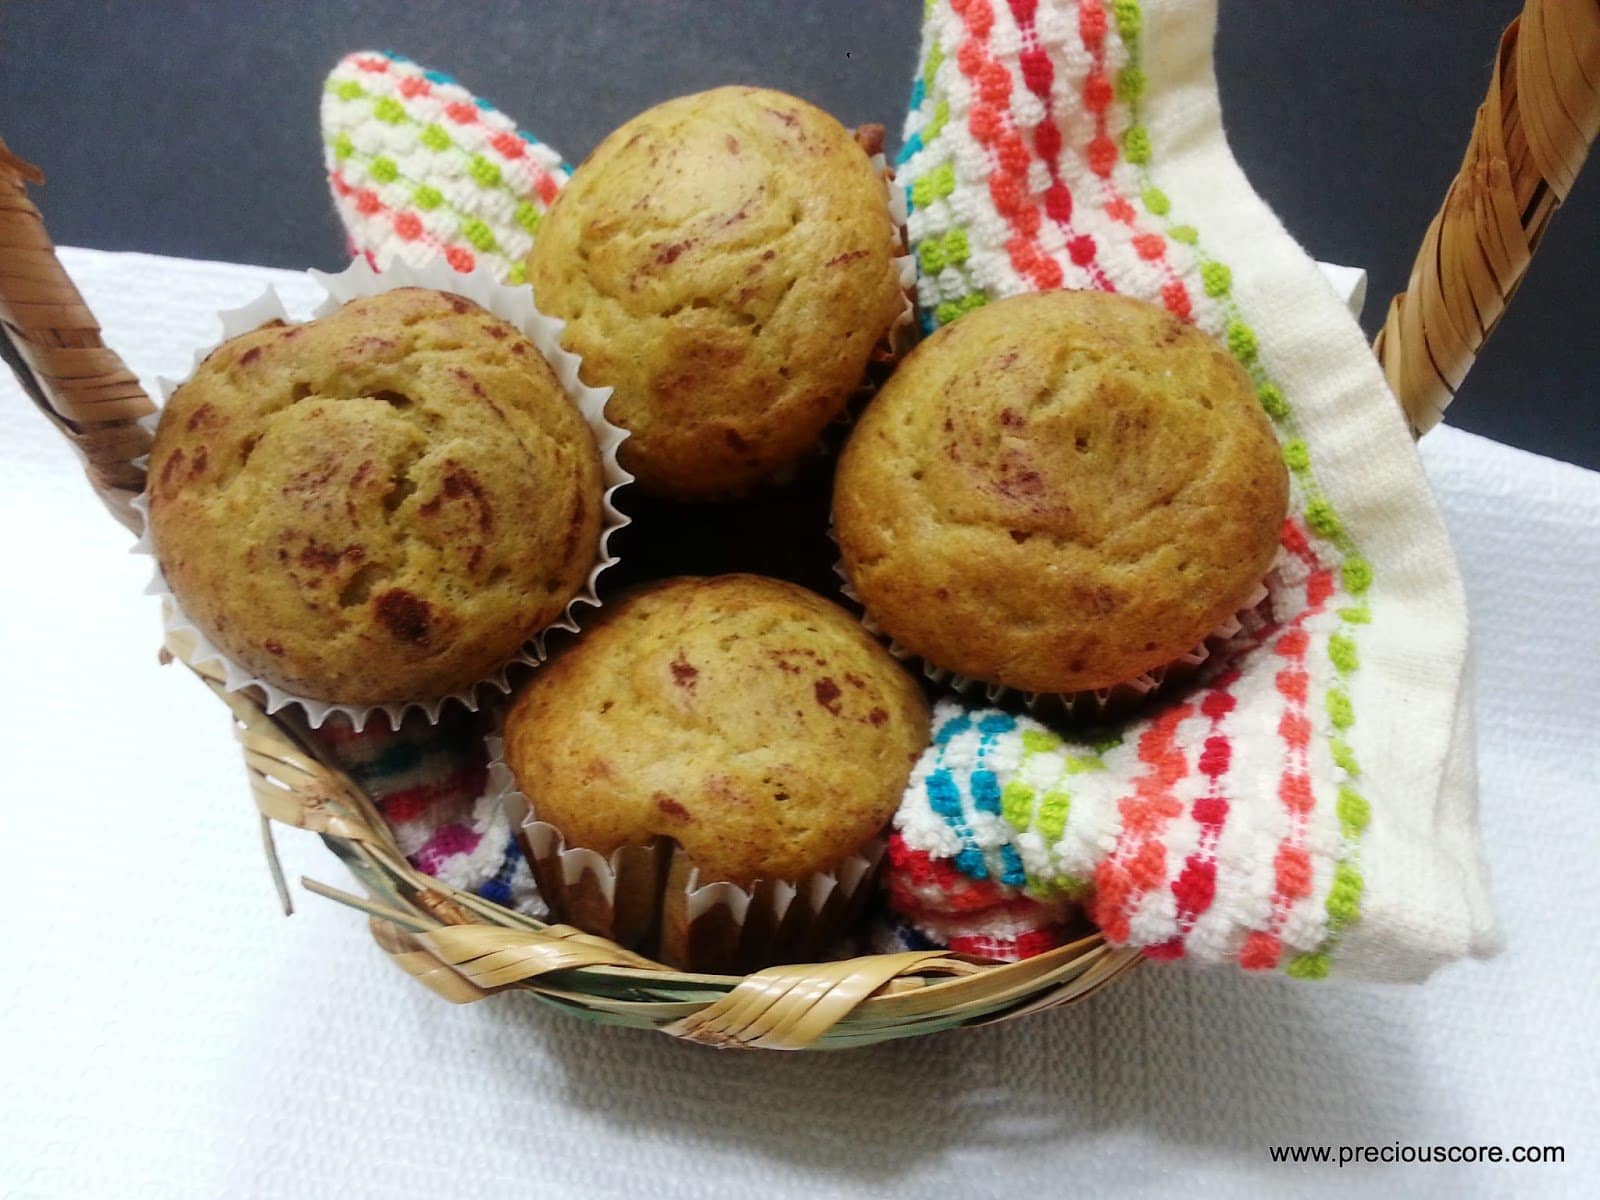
(749,720)
(1059,492)
(378,506)
(725,262)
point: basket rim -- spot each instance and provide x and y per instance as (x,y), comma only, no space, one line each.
(466,947)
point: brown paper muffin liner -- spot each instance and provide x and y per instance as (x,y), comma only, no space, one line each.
(514,305)
(650,899)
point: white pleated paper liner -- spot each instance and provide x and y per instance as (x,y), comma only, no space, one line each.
(1091,705)
(511,304)
(650,899)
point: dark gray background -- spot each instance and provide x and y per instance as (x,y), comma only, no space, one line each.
(191,128)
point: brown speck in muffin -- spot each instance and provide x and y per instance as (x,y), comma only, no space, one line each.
(250,356)
(827,692)
(199,417)
(316,557)
(466,377)
(408,618)
(877,716)
(273,647)
(671,807)
(847,257)
(684,673)
(462,482)
(171,467)
(310,480)
(669,253)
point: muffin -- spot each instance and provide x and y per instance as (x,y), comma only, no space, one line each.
(379,506)
(726,263)
(748,728)
(1060,492)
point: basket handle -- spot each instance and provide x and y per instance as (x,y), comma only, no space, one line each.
(50,340)
(1531,135)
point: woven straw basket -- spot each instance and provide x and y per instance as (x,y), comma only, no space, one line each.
(1531,135)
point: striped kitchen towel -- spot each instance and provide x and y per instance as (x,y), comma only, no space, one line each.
(1312,808)
(420,168)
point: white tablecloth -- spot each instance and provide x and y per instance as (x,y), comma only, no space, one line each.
(165,1032)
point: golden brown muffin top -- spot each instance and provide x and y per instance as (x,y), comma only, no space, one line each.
(749,719)
(1060,491)
(726,262)
(382,505)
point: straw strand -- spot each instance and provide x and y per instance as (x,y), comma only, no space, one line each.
(1528,142)
(50,340)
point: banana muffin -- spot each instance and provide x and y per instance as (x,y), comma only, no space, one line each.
(1059,492)
(725,262)
(378,506)
(748,720)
